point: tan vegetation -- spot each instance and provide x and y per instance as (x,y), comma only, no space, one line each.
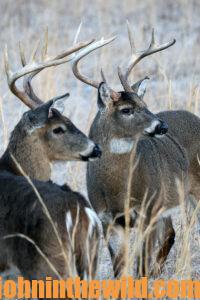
(174,80)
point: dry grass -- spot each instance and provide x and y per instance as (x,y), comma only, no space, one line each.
(174,76)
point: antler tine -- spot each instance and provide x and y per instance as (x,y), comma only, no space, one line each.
(6,63)
(124,81)
(10,77)
(152,38)
(74,48)
(27,78)
(153,48)
(85,52)
(27,96)
(77,33)
(103,76)
(138,56)
(130,37)
(22,54)
(45,46)
(34,52)
(58,59)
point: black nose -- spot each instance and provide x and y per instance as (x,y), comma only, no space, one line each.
(96,152)
(161,128)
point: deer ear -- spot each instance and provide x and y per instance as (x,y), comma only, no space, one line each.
(39,116)
(58,104)
(140,87)
(104,95)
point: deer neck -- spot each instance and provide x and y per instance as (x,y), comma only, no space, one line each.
(30,155)
(113,146)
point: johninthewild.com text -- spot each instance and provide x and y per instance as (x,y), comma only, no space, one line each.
(126,287)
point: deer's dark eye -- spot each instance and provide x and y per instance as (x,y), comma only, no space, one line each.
(127,111)
(58,130)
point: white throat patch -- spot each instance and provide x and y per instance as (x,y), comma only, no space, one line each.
(121,146)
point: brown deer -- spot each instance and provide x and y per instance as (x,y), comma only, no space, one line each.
(45,229)
(133,141)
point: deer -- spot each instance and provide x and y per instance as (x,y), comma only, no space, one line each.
(141,161)
(45,229)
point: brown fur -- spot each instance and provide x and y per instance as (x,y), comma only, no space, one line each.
(158,161)
(185,128)
(34,145)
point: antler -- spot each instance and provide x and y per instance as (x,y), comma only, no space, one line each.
(98,44)
(136,56)
(32,68)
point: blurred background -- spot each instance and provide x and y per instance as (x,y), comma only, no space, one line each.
(174,73)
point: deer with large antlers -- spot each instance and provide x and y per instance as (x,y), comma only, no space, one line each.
(45,229)
(141,163)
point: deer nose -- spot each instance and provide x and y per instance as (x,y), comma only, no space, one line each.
(161,128)
(93,153)
(96,153)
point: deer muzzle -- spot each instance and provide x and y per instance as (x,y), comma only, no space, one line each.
(94,154)
(157,128)
(161,128)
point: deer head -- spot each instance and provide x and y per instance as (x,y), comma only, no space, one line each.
(44,134)
(124,115)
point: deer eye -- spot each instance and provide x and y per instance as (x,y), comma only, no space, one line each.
(127,111)
(58,130)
